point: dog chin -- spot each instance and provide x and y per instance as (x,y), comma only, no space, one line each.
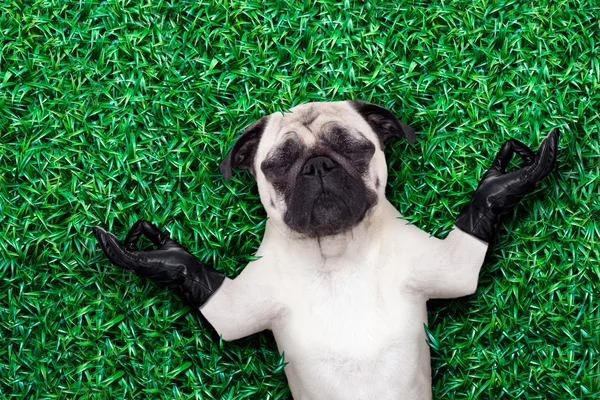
(329,214)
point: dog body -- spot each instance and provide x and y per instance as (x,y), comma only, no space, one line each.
(341,280)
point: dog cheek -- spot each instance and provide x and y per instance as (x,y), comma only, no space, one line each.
(360,198)
(377,175)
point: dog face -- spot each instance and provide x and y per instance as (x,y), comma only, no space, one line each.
(320,168)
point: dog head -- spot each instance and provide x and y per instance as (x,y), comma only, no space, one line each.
(320,168)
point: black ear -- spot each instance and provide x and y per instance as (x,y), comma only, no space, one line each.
(383,122)
(244,149)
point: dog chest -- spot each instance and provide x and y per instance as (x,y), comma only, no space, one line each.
(352,333)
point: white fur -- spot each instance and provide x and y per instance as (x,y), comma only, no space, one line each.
(348,312)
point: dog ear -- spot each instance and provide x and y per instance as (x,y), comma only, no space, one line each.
(383,122)
(244,149)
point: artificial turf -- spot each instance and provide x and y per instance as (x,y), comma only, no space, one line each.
(111,111)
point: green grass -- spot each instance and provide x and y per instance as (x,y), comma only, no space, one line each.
(111,111)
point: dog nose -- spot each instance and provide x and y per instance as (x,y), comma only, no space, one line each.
(318,166)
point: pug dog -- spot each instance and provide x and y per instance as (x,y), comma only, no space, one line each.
(341,279)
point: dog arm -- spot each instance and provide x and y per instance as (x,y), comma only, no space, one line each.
(242,306)
(450,267)
(236,308)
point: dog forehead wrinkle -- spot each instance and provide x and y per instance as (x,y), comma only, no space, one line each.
(314,111)
(287,135)
(308,117)
(302,135)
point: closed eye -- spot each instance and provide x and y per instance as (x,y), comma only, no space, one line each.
(282,159)
(348,146)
